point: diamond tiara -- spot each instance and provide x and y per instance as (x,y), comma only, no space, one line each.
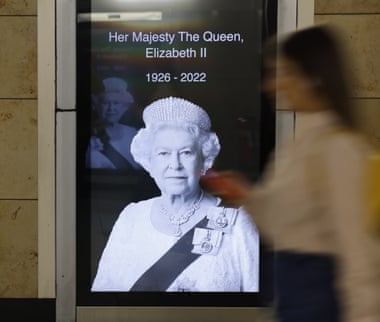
(176,109)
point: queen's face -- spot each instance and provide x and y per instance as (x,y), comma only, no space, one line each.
(112,107)
(176,162)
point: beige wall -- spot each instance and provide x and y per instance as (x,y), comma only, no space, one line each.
(359,24)
(18,158)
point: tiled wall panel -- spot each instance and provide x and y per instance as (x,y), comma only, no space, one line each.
(18,248)
(358,21)
(346,6)
(361,38)
(18,7)
(18,157)
(18,53)
(368,117)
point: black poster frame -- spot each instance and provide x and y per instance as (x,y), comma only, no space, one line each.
(261,129)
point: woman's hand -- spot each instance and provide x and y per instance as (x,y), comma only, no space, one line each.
(231,186)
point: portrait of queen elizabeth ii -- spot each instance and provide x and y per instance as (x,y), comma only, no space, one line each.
(184,240)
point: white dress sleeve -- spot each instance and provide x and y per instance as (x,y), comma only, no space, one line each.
(106,278)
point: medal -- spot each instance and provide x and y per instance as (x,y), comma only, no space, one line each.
(206,241)
(221,221)
(221,218)
(206,245)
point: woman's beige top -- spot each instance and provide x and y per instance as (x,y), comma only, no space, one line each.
(311,200)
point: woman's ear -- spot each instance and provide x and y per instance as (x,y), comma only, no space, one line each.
(207,164)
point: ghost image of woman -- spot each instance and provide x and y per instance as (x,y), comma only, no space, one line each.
(109,146)
(183,240)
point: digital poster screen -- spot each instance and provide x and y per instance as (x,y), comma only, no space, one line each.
(167,92)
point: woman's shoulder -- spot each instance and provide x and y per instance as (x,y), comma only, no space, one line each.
(132,215)
(127,130)
(138,206)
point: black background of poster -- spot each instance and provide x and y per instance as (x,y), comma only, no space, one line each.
(232,97)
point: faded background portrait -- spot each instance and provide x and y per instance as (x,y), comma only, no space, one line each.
(109,146)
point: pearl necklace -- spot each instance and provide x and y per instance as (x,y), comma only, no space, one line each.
(183,218)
